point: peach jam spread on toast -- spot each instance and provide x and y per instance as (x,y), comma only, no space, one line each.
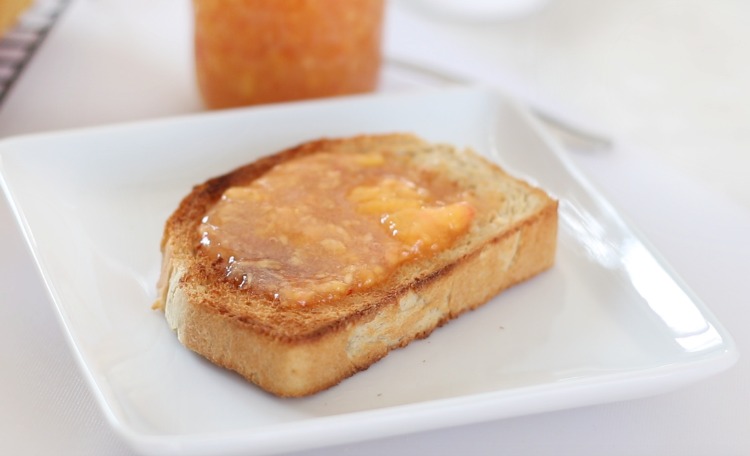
(323,226)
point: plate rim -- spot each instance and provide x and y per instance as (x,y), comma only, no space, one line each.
(242,440)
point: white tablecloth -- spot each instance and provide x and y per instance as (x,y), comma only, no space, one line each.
(666,79)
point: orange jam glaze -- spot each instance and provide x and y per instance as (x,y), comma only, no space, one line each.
(260,51)
(320,227)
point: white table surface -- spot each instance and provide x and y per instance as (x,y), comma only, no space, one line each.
(667,79)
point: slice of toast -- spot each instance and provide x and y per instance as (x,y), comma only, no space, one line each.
(296,350)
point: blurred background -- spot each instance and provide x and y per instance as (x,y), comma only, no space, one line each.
(663,77)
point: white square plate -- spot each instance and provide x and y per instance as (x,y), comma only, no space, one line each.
(608,322)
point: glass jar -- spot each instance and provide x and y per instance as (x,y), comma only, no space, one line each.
(261,51)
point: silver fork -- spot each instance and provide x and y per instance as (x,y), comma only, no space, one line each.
(576,136)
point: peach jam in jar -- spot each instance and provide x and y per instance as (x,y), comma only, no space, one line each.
(262,51)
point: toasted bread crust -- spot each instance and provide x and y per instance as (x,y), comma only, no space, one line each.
(297,351)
